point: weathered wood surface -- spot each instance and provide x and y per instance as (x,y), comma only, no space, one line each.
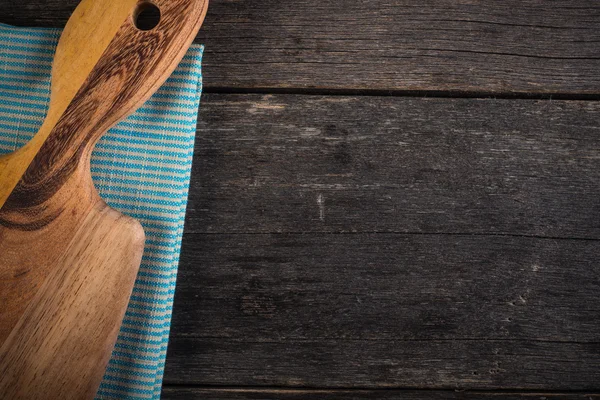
(289,163)
(387,310)
(383,242)
(177,393)
(502,47)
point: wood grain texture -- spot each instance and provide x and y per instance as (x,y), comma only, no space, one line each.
(63,341)
(111,82)
(386,311)
(68,262)
(338,241)
(323,249)
(289,163)
(178,393)
(73,62)
(56,192)
(502,47)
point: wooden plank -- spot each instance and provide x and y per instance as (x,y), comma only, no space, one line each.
(371,364)
(510,46)
(292,163)
(179,393)
(387,310)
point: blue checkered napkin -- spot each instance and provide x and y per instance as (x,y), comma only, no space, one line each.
(141,168)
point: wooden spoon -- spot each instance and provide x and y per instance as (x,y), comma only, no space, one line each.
(68,262)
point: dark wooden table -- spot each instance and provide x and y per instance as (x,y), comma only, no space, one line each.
(391,200)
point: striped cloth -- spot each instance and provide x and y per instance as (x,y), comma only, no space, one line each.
(141,168)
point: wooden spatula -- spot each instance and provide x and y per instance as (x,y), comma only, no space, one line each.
(68,262)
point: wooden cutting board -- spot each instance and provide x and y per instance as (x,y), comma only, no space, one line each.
(68,262)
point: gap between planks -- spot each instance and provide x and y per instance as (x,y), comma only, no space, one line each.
(207,392)
(442,94)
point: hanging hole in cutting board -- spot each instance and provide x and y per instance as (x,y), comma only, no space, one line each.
(146,16)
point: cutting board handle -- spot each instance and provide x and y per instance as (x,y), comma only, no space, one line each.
(132,67)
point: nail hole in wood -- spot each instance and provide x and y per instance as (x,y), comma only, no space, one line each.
(146,16)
